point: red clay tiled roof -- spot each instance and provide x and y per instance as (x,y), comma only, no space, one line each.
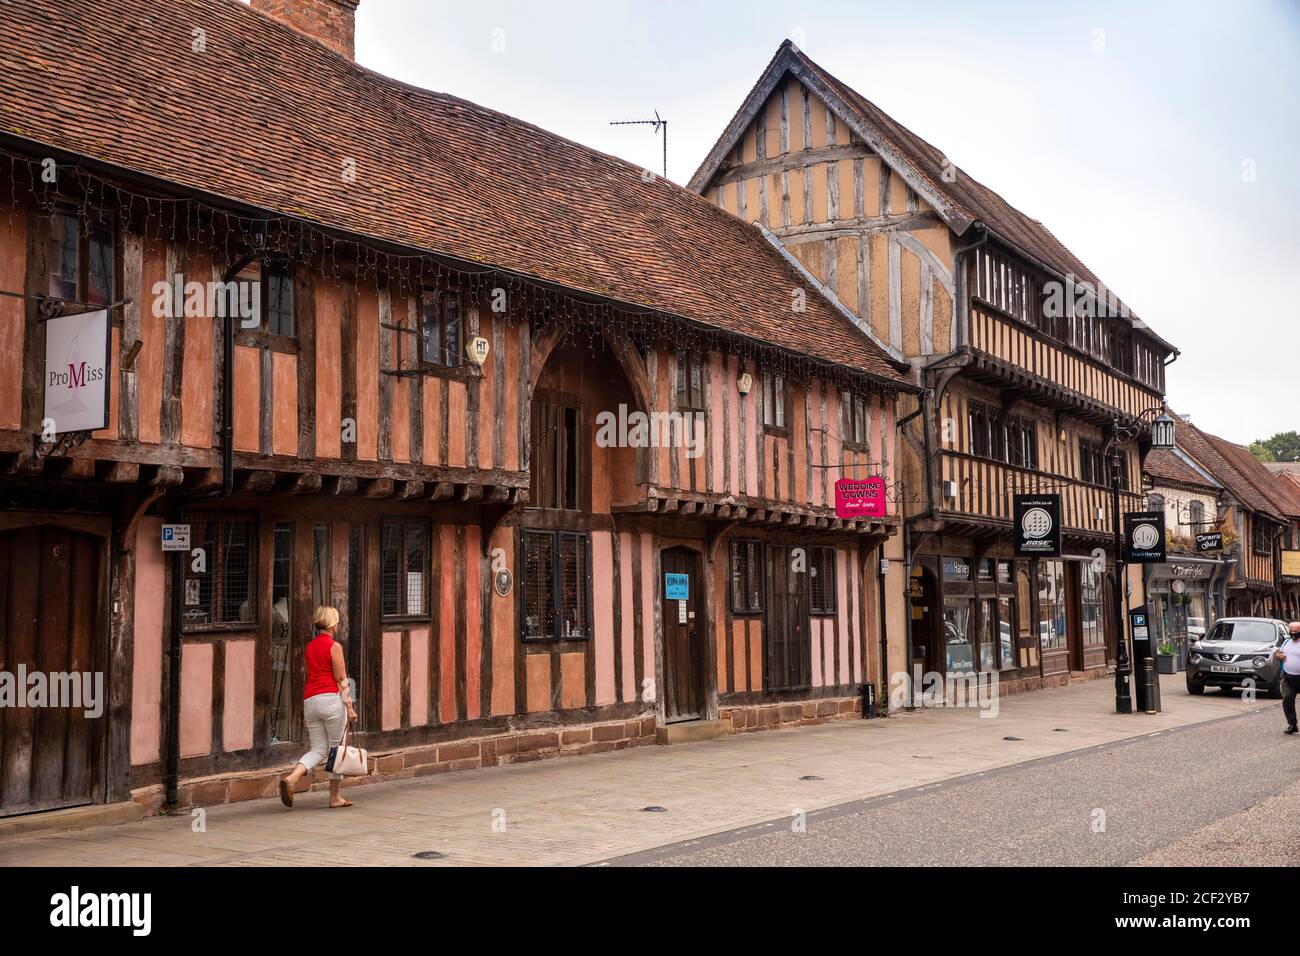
(969,199)
(1162,464)
(1221,459)
(267,116)
(1263,480)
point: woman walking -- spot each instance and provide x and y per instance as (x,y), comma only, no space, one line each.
(327,703)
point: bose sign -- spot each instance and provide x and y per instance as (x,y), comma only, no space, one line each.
(76,371)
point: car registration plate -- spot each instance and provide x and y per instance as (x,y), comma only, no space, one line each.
(1224,669)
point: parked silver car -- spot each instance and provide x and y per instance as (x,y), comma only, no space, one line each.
(1237,652)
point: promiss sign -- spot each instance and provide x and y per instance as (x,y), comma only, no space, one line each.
(76,372)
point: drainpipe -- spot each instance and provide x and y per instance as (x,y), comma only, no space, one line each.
(884,635)
(171,774)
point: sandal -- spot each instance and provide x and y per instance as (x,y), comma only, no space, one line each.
(286,793)
(340,806)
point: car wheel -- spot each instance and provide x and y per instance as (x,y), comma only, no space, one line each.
(1195,688)
(1275,690)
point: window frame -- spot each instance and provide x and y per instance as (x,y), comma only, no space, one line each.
(404,524)
(855,420)
(776,399)
(557,537)
(751,569)
(199,523)
(579,462)
(446,299)
(689,395)
(261,336)
(825,555)
(87,227)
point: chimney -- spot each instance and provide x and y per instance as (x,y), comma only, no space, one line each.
(332,22)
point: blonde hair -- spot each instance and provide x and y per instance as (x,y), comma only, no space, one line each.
(326,618)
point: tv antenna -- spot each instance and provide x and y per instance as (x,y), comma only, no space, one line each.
(659,123)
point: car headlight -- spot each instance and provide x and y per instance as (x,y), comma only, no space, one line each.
(1260,661)
(1195,658)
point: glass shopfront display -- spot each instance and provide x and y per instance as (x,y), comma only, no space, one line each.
(1181,603)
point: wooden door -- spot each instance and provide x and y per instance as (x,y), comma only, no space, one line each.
(52,623)
(789,655)
(683,624)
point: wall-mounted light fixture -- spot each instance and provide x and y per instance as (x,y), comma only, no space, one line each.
(744,383)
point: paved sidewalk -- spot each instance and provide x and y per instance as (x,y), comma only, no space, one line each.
(587,809)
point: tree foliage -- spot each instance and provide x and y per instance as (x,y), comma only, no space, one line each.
(1284,446)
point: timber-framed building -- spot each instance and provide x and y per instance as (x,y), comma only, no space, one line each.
(409,423)
(1026,358)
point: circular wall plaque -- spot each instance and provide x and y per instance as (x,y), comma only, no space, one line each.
(504,581)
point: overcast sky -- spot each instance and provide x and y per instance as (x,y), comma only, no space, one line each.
(1158,141)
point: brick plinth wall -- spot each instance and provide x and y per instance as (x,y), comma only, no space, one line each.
(333,22)
(420,761)
(750,717)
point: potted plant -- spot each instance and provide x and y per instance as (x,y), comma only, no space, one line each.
(1165,658)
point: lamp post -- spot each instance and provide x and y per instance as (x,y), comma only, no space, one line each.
(1162,436)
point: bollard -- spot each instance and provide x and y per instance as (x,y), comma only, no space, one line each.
(1153,688)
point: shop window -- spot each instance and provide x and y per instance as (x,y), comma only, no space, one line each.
(821,580)
(855,421)
(440,329)
(556,585)
(988,628)
(404,569)
(558,460)
(224,593)
(282,657)
(1051,604)
(746,577)
(81,260)
(956,569)
(1006,626)
(1094,630)
(691,381)
(773,401)
(957,635)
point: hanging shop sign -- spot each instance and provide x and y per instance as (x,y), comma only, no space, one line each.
(1144,537)
(1290,566)
(76,372)
(857,498)
(1209,541)
(1038,526)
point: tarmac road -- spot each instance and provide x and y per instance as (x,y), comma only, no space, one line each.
(1217,793)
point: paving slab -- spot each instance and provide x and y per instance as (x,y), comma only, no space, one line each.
(582,810)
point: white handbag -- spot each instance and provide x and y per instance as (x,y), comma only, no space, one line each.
(347,761)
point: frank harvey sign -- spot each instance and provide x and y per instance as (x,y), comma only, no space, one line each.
(76,372)
(1144,537)
(1038,526)
(860,498)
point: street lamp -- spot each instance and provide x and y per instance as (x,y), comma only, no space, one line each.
(1162,436)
